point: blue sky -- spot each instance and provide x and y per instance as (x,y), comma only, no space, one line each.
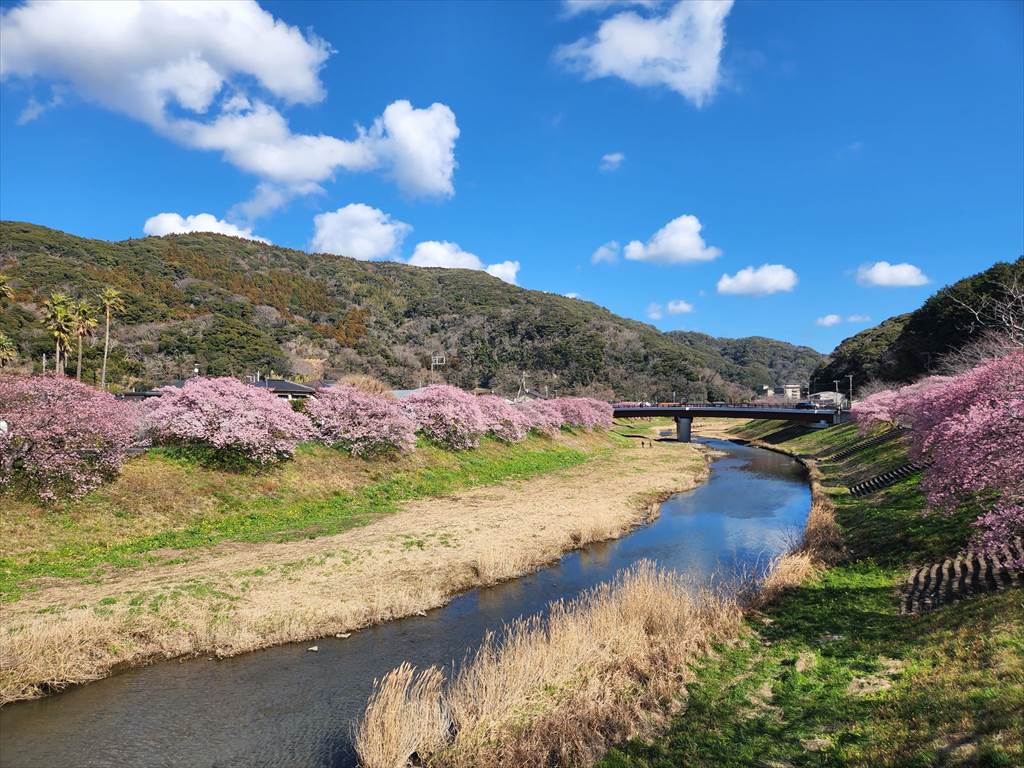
(866,153)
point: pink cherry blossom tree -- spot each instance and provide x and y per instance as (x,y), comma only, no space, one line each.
(362,423)
(63,438)
(447,415)
(503,420)
(542,416)
(228,422)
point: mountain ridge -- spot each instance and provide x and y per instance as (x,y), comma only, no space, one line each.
(233,306)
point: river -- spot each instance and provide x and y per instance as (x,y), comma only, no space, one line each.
(286,706)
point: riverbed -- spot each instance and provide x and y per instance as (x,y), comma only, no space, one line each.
(288,706)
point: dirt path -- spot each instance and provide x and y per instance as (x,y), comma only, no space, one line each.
(240,597)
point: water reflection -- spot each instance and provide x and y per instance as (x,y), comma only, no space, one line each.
(287,707)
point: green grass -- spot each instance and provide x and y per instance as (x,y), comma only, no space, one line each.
(832,675)
(277,518)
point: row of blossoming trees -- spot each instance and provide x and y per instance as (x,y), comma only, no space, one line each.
(968,430)
(65,438)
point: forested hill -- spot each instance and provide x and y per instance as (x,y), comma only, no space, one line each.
(759,360)
(232,306)
(908,346)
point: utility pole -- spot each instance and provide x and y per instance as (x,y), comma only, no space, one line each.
(839,403)
(850,377)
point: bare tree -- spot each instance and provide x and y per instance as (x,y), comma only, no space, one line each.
(1001,311)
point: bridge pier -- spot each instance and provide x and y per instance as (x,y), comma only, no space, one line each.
(683,425)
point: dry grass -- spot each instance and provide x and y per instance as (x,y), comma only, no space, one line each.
(557,690)
(821,544)
(239,597)
(366,383)
(414,701)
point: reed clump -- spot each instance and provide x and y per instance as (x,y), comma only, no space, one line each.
(560,689)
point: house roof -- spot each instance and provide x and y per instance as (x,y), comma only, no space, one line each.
(283,385)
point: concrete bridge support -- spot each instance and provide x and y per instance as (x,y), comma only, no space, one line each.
(683,429)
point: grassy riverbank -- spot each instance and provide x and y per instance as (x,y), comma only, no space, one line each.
(830,674)
(164,506)
(176,559)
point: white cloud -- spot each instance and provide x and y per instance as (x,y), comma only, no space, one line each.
(175,224)
(433,253)
(612,161)
(419,147)
(858,318)
(504,270)
(680,49)
(571,295)
(677,242)
(170,64)
(576,7)
(607,253)
(268,197)
(358,231)
(887,275)
(34,108)
(679,307)
(760,281)
(829,320)
(654,311)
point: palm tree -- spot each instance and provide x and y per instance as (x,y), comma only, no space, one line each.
(83,323)
(112,303)
(8,352)
(57,315)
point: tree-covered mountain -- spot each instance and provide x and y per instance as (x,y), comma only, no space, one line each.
(233,306)
(908,346)
(755,360)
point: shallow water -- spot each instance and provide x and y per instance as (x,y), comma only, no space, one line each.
(285,706)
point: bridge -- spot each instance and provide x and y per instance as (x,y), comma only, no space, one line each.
(685,414)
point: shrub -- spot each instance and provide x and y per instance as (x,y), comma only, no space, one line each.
(447,415)
(503,420)
(364,424)
(63,438)
(228,423)
(369,384)
(542,415)
(584,412)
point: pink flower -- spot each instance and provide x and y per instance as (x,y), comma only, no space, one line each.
(364,424)
(503,420)
(232,419)
(447,415)
(64,438)
(969,429)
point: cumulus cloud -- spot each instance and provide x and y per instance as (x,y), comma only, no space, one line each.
(679,307)
(571,295)
(607,253)
(887,275)
(680,49)
(677,242)
(358,231)
(203,74)
(504,270)
(655,311)
(611,161)
(434,253)
(176,224)
(829,320)
(759,281)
